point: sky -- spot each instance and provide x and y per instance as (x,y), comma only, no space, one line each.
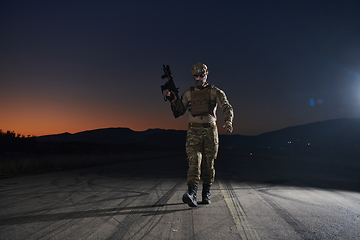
(70,66)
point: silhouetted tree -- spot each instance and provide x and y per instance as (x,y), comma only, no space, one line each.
(15,142)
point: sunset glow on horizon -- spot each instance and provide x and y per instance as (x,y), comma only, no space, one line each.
(44,118)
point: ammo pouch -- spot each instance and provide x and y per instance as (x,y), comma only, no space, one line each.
(201,104)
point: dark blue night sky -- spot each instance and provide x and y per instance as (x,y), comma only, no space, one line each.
(80,65)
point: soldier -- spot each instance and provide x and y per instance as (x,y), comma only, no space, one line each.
(202,135)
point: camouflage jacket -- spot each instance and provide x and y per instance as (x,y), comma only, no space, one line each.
(202,104)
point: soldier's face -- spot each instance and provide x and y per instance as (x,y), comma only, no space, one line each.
(200,79)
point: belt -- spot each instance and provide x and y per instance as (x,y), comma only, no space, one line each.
(204,125)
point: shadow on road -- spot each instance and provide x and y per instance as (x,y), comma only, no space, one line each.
(146,210)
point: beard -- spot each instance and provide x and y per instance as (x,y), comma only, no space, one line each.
(200,82)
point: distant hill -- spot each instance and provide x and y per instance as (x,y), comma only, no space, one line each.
(337,132)
(332,133)
(121,136)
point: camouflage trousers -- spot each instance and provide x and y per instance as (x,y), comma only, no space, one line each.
(202,145)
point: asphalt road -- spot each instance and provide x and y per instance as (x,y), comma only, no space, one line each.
(252,198)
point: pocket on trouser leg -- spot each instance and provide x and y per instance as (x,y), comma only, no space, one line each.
(194,171)
(193,141)
(211,145)
(208,170)
(194,155)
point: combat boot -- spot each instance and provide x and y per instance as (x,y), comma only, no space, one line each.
(190,197)
(206,194)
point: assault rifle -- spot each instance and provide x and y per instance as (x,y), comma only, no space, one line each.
(169,85)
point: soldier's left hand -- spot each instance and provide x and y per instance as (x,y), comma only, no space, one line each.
(228,127)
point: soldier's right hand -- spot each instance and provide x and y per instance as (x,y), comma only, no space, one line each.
(170,96)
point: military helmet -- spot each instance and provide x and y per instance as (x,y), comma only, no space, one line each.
(199,68)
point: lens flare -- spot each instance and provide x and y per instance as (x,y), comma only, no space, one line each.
(312,102)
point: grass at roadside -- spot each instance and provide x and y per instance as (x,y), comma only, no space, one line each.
(21,165)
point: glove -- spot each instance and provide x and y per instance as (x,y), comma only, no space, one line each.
(228,127)
(170,96)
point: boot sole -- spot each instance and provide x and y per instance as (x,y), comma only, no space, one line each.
(186,199)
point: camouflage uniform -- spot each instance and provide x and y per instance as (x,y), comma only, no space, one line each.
(202,136)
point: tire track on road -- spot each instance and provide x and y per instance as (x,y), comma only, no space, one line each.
(243,225)
(160,203)
(125,225)
(293,222)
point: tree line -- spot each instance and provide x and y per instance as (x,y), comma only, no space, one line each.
(11,134)
(11,142)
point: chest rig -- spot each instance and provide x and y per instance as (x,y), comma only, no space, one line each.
(201,103)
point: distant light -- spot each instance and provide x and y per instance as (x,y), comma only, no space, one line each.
(308,144)
(312,102)
(318,101)
(289,142)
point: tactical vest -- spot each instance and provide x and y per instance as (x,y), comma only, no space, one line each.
(201,103)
